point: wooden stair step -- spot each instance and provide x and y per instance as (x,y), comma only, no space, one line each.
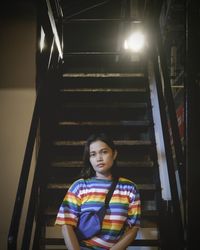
(117,143)
(96,75)
(101,113)
(104,105)
(143,242)
(99,58)
(102,83)
(104,90)
(106,64)
(105,123)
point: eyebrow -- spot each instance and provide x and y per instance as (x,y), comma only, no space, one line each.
(99,150)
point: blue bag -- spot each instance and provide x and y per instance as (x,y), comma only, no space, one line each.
(90,222)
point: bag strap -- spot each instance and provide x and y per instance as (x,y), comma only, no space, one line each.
(111,190)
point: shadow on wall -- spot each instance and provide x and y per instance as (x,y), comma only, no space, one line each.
(17,98)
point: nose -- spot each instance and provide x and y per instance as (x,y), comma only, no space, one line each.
(99,157)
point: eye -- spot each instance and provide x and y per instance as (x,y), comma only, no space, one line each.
(105,151)
(92,154)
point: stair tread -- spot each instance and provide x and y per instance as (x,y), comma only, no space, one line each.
(117,143)
(73,164)
(94,75)
(118,90)
(67,185)
(105,123)
(105,105)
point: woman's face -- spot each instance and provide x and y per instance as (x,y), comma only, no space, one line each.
(101,158)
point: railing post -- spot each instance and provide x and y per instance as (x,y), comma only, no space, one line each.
(15,221)
(178,224)
(165,100)
(192,118)
(172,114)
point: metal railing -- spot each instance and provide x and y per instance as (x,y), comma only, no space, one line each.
(19,201)
(44,59)
(168,117)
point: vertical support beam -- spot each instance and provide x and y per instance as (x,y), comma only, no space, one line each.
(192,116)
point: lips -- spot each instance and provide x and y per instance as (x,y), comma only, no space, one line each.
(100,165)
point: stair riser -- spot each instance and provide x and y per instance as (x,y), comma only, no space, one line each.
(117,132)
(98,97)
(103,82)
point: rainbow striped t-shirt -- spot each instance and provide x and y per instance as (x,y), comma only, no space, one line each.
(89,194)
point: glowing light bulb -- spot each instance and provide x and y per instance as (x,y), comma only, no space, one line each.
(135,42)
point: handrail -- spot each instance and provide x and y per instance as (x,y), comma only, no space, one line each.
(15,221)
(169,100)
(33,204)
(54,29)
(166,100)
(23,181)
(167,92)
(172,113)
(178,223)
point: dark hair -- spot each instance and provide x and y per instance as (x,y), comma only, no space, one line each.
(87,170)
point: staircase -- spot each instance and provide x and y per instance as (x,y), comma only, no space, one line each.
(117,103)
(101,90)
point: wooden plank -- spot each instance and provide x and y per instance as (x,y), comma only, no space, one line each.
(95,75)
(104,123)
(104,90)
(117,143)
(104,105)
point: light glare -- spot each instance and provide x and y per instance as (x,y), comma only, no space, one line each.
(135,42)
(42,39)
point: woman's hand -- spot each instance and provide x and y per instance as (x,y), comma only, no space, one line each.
(70,238)
(128,237)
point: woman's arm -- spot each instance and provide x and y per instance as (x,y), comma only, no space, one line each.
(70,238)
(126,239)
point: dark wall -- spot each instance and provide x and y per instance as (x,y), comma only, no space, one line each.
(17,44)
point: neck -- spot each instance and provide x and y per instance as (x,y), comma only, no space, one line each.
(103,176)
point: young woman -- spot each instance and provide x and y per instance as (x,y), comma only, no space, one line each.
(122,219)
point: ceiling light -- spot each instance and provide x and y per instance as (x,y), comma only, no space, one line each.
(135,42)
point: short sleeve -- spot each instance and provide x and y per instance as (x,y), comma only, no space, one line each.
(134,210)
(70,207)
